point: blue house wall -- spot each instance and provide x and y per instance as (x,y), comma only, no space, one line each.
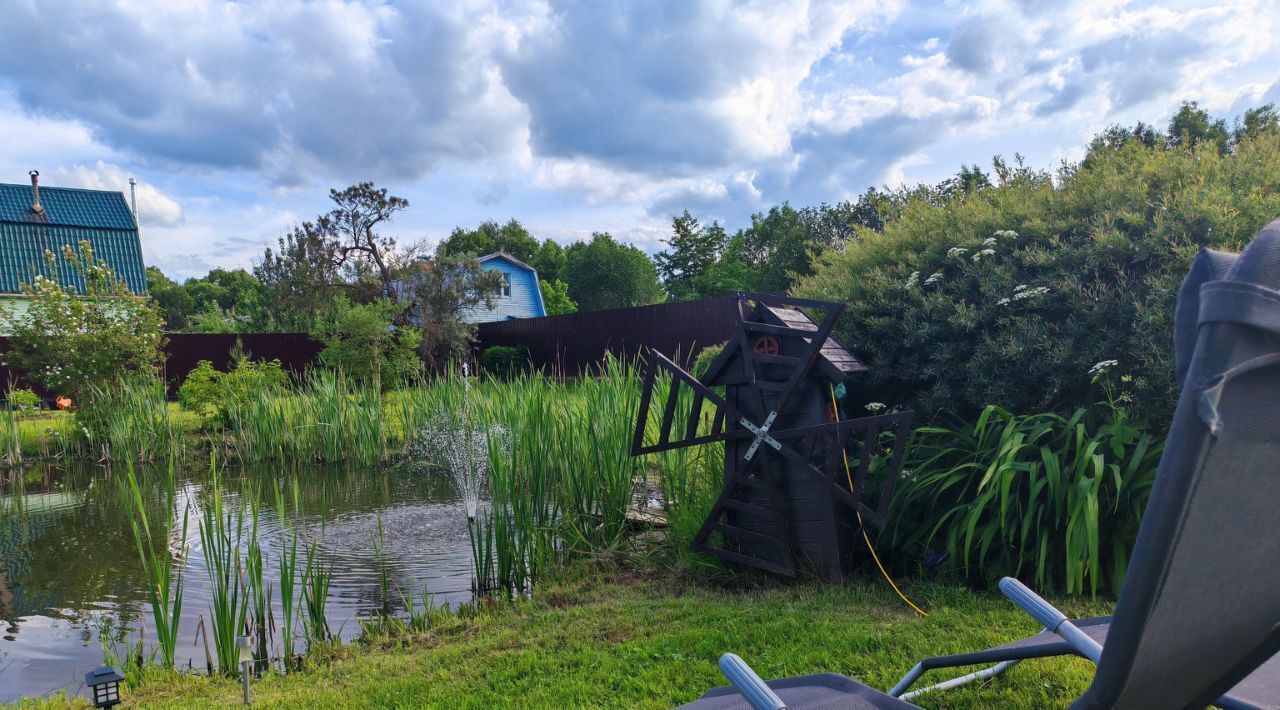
(525,300)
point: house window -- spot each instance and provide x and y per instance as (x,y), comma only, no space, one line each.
(506,285)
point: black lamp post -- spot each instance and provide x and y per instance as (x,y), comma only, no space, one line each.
(104,684)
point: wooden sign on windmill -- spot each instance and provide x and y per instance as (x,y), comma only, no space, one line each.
(795,475)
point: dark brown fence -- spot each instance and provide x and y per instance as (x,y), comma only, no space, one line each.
(573,343)
(566,344)
(294,351)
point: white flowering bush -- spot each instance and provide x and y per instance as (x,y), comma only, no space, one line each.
(71,340)
(1017,290)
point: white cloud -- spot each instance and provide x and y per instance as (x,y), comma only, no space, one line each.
(154,207)
(578,115)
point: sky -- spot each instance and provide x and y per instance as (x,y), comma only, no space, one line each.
(578,116)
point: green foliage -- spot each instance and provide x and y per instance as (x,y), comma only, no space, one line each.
(299,278)
(171,297)
(549,261)
(23,399)
(70,338)
(505,362)
(691,252)
(1009,295)
(1050,498)
(364,342)
(1191,126)
(441,298)
(555,297)
(222,534)
(491,237)
(705,357)
(604,273)
(780,244)
(128,419)
(213,394)
(164,589)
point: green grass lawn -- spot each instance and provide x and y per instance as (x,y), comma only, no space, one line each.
(611,641)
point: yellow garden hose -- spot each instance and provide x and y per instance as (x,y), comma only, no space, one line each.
(835,410)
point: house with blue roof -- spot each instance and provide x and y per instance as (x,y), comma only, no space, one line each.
(35,220)
(519,297)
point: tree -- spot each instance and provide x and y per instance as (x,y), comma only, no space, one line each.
(969,180)
(491,237)
(441,297)
(731,272)
(299,279)
(71,340)
(171,297)
(555,296)
(549,261)
(777,247)
(216,320)
(351,227)
(1257,121)
(1191,126)
(692,251)
(363,341)
(605,274)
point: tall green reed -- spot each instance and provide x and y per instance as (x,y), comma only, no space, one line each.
(257,591)
(317,575)
(1051,498)
(129,420)
(221,536)
(325,417)
(288,569)
(164,585)
(11,436)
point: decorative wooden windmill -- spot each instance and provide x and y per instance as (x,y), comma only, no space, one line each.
(794,475)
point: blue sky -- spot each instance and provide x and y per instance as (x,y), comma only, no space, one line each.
(580,116)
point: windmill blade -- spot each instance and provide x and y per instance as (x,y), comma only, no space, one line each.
(669,437)
(866,432)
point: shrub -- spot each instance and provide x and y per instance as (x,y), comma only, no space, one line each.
(88,332)
(1007,295)
(1050,498)
(703,361)
(363,342)
(23,399)
(504,361)
(212,394)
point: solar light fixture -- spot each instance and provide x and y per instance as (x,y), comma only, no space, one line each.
(104,685)
(246,663)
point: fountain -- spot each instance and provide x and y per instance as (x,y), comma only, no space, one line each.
(461,445)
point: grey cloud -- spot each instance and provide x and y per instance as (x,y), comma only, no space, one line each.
(634,83)
(972,45)
(836,164)
(1064,99)
(287,88)
(1140,67)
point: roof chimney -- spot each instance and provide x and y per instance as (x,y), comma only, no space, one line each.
(133,197)
(35,192)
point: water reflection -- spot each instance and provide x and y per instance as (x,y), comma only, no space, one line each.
(68,565)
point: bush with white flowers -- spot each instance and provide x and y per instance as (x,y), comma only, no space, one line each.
(1016,290)
(72,340)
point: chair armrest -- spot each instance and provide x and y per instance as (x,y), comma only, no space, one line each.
(751,686)
(1052,619)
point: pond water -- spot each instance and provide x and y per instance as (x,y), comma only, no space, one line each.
(69,570)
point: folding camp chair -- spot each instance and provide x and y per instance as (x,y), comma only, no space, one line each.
(1198,617)
(1208,266)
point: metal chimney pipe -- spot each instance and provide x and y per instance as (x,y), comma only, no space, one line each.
(133,197)
(35,192)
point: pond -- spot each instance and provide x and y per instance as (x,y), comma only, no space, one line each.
(70,574)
